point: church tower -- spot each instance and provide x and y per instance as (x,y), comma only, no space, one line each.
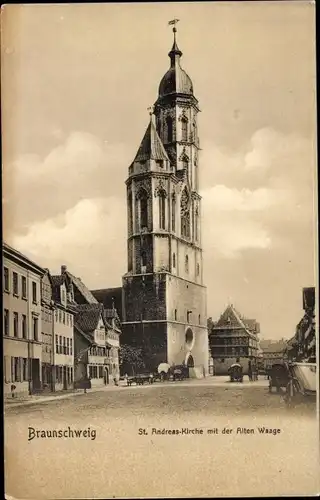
(164,299)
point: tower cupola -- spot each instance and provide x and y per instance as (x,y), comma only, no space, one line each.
(176,80)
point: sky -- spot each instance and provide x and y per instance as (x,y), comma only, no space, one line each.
(77,81)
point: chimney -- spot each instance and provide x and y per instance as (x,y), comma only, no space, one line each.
(63,269)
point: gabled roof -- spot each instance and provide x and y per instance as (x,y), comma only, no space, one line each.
(13,254)
(88,338)
(88,316)
(57,280)
(110,297)
(85,292)
(231,318)
(151,147)
(273,346)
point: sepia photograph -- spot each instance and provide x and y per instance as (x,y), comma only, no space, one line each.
(160,311)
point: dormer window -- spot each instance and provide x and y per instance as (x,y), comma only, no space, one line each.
(159,163)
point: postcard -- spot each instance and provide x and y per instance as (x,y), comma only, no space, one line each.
(160,294)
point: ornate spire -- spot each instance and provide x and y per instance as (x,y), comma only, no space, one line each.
(175,53)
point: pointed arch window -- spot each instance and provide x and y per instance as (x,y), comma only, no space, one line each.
(196,174)
(174,260)
(185,214)
(185,165)
(143,208)
(186,264)
(196,224)
(162,210)
(184,129)
(173,213)
(169,129)
(143,261)
(130,222)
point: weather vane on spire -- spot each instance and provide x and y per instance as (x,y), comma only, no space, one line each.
(174,22)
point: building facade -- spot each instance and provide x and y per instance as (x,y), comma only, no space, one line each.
(164,298)
(273,352)
(63,321)
(302,347)
(22,343)
(47,332)
(233,337)
(96,345)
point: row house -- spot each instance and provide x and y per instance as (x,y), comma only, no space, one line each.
(63,325)
(302,347)
(273,352)
(96,345)
(113,330)
(47,332)
(96,334)
(231,338)
(22,342)
(90,321)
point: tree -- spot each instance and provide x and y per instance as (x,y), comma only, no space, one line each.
(130,357)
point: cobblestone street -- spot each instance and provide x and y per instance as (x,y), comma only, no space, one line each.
(127,458)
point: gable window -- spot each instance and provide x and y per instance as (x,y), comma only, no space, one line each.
(24,287)
(15,284)
(199,318)
(184,129)
(175,314)
(198,269)
(174,260)
(6,279)
(162,210)
(159,163)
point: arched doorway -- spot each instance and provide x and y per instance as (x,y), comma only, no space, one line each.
(190,361)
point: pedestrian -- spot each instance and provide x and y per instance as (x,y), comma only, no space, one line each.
(126,378)
(87,384)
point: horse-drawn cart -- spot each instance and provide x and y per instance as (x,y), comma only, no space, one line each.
(236,373)
(278,377)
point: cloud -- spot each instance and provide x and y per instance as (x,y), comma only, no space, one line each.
(260,197)
(222,198)
(89,237)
